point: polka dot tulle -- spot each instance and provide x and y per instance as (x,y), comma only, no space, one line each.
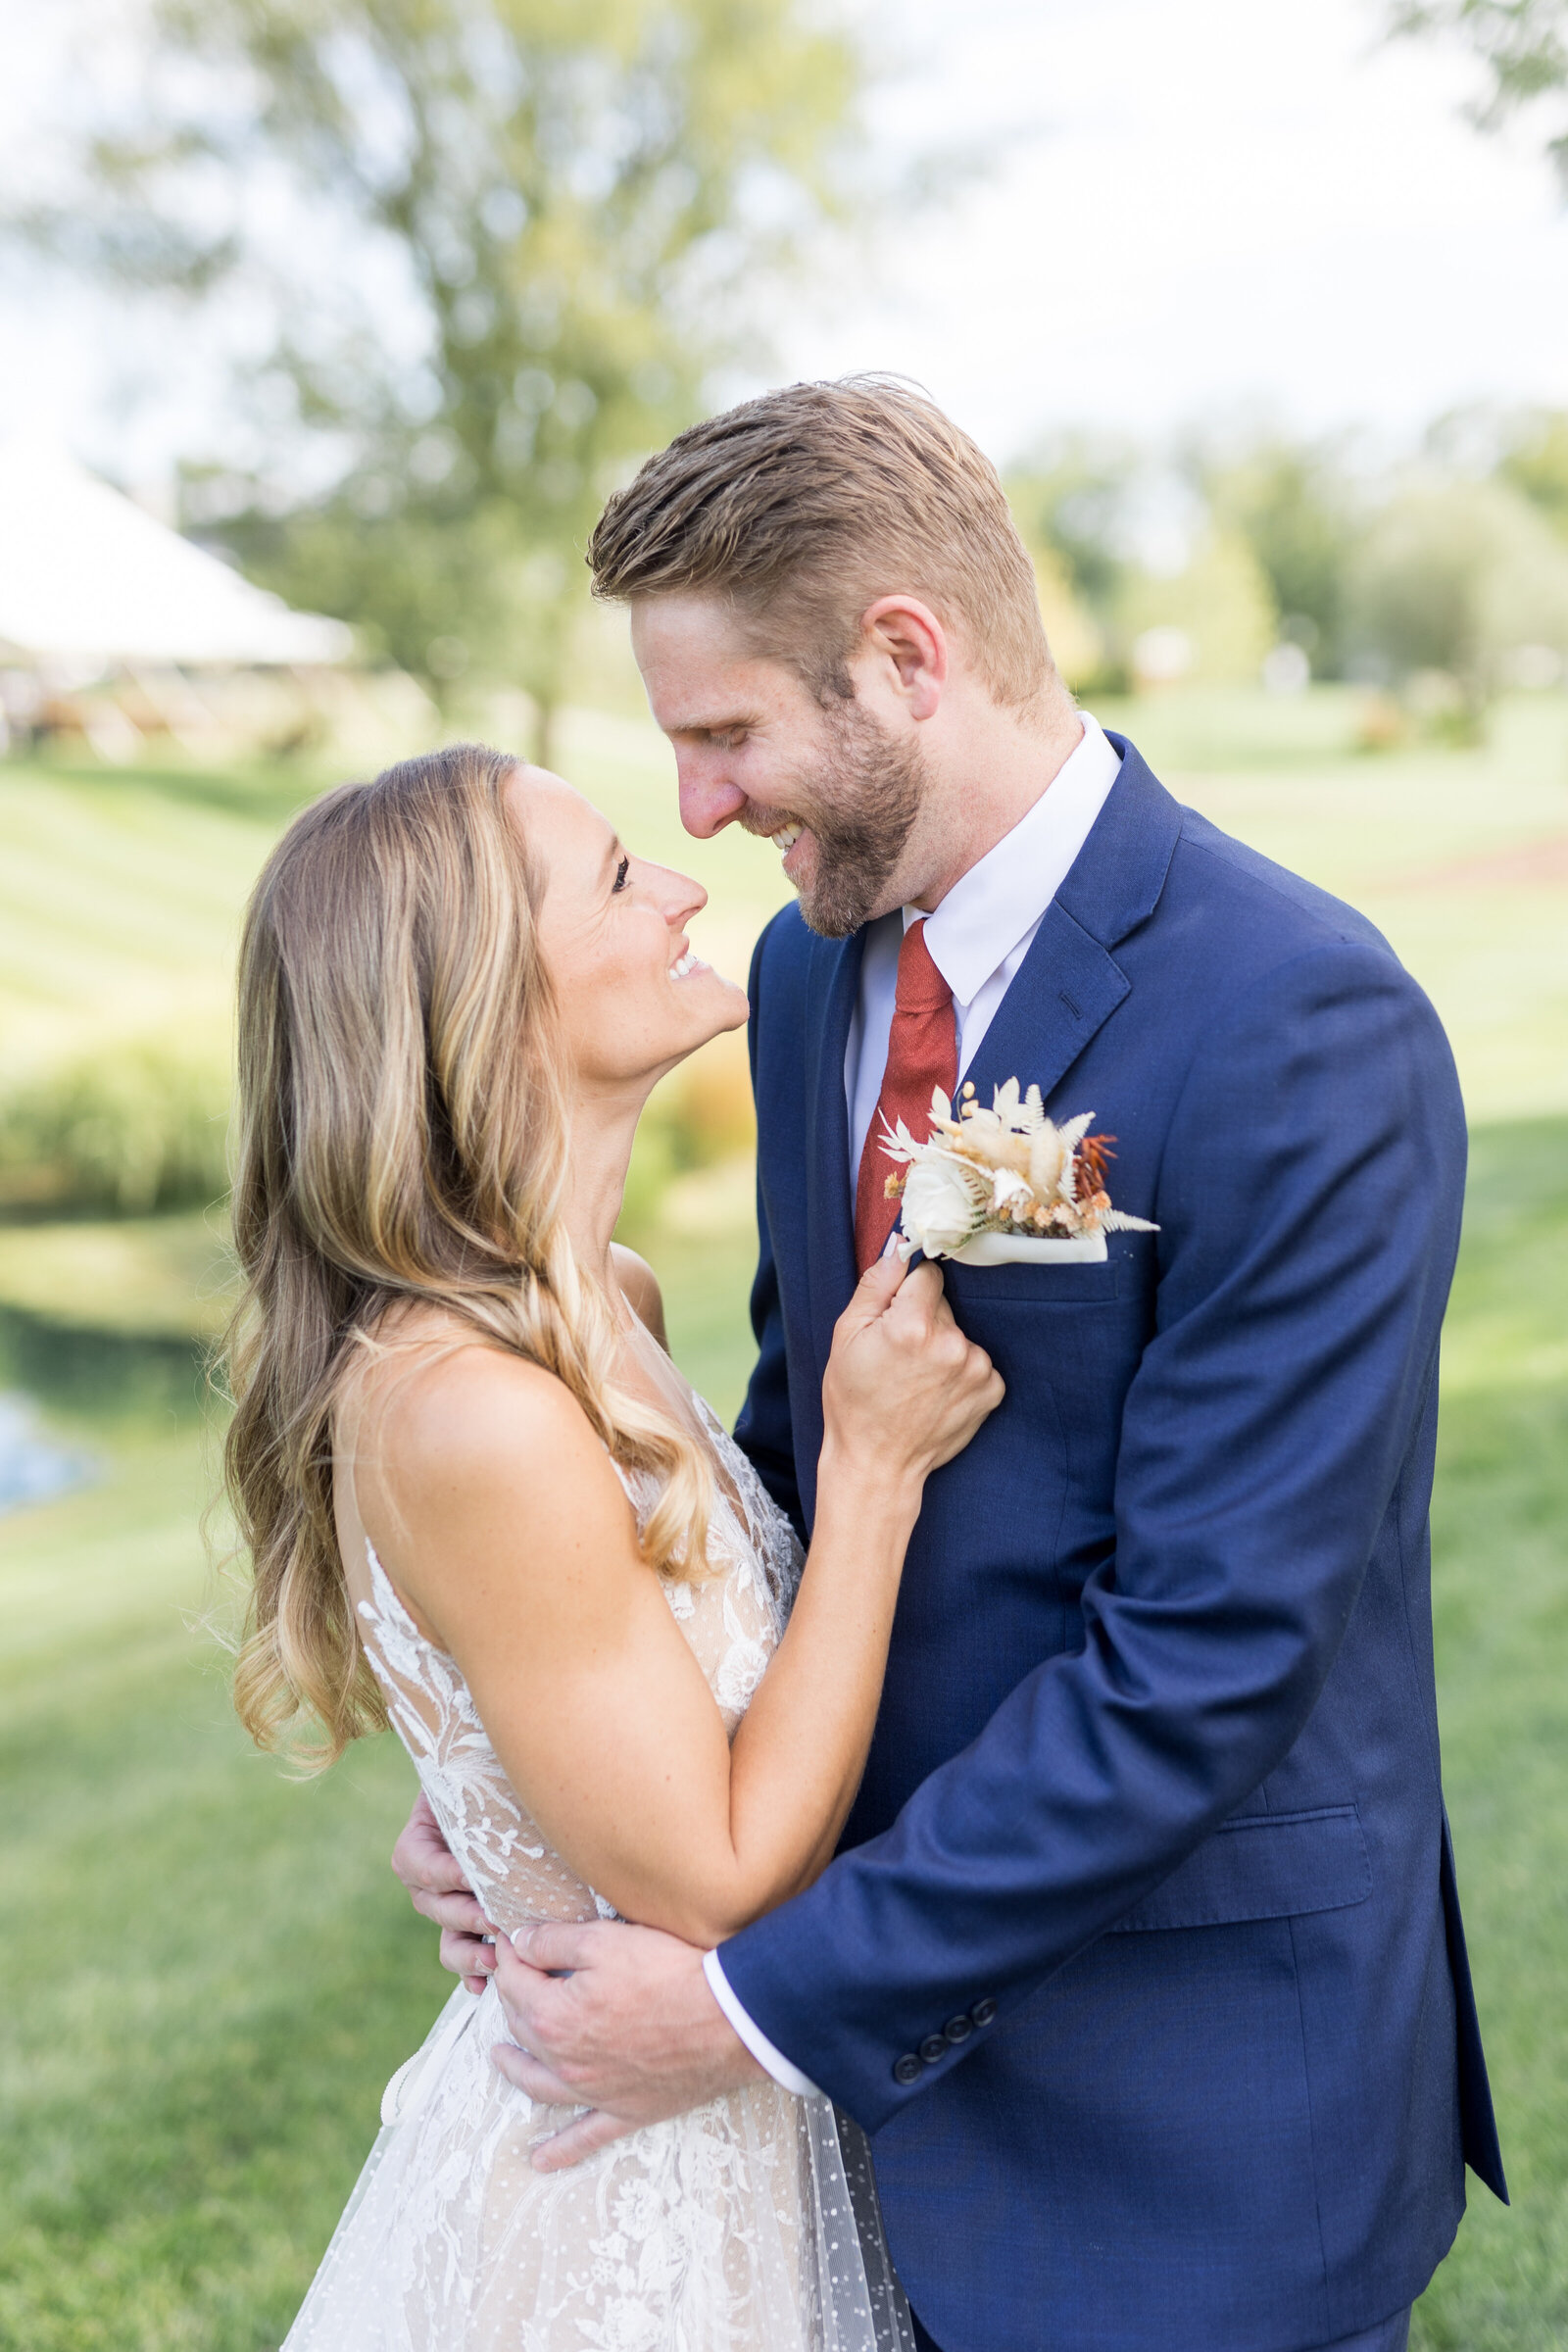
(746,2226)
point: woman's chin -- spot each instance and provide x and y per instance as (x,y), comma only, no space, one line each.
(713,1015)
(713,1006)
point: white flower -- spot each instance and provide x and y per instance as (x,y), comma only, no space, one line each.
(944,1200)
(1007,1187)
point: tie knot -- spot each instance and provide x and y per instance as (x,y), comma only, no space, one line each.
(920,987)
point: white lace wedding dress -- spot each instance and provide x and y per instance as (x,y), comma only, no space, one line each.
(746,2226)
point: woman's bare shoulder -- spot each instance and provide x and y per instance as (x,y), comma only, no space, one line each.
(466,1395)
(451,1414)
(495,1505)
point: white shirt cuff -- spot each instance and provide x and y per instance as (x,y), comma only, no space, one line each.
(788,2076)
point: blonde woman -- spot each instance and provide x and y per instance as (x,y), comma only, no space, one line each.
(482,1505)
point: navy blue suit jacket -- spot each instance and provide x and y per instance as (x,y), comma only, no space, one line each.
(1142,1957)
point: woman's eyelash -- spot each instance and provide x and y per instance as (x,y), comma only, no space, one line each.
(621,872)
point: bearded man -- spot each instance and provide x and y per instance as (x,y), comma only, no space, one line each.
(1142,1958)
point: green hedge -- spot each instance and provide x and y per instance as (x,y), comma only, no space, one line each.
(132,1126)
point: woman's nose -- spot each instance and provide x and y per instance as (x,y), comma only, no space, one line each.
(676,896)
(686,899)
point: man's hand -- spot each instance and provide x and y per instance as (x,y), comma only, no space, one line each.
(616,2019)
(437,1887)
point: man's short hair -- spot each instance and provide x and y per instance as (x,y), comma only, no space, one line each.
(801,508)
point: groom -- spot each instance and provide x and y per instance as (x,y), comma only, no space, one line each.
(1142,1959)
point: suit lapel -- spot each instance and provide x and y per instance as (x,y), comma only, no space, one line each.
(1065,988)
(830,1006)
(1069,983)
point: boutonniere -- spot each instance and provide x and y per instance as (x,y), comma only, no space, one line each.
(988,1186)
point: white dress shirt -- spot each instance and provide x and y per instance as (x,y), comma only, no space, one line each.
(983,929)
(978,937)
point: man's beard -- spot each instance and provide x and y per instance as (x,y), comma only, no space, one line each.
(859,802)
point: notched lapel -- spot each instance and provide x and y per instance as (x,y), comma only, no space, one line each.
(1069,983)
(1066,989)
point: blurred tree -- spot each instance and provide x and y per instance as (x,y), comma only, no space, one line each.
(1536,463)
(1295,507)
(1073,499)
(1213,621)
(501,242)
(1077,641)
(1524,43)
(1456,580)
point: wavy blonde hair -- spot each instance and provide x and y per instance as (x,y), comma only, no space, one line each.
(403,1136)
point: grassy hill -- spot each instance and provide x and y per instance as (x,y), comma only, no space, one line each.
(209,1971)
(121,891)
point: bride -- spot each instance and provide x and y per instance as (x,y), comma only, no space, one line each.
(482,1505)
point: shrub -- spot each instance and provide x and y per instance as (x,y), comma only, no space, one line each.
(134,1125)
(1451,580)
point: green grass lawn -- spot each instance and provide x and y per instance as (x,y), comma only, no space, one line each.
(1500,1587)
(121,891)
(210,1973)
(206,1970)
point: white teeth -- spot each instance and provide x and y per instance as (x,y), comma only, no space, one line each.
(688,964)
(786,837)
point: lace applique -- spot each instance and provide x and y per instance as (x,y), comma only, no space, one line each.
(733,2228)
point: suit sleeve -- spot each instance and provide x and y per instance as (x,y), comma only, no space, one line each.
(1309,1202)
(764,1430)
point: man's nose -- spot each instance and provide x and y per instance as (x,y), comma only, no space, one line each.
(708,803)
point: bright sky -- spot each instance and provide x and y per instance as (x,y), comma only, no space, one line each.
(1202,207)
(1211,203)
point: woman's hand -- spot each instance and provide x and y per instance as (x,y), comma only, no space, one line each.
(905,1391)
(433,1876)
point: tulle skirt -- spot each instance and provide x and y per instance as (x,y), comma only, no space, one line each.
(748,2225)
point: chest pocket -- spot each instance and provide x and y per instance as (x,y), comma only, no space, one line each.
(1066,1338)
(973,1289)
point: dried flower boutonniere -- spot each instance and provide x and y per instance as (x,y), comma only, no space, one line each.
(992,1185)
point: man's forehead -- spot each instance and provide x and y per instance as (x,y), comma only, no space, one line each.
(700,672)
(686,621)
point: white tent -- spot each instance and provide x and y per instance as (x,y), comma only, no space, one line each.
(89,582)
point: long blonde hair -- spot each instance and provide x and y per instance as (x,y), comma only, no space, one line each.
(403,1136)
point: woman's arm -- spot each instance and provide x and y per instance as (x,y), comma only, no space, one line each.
(509,1535)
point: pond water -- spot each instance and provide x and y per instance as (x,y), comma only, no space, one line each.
(35,1465)
(61,1390)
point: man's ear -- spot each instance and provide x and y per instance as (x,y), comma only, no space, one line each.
(907,635)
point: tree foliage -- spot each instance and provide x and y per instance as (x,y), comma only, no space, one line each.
(1072,496)
(1524,44)
(1536,463)
(500,243)
(1295,506)
(1456,579)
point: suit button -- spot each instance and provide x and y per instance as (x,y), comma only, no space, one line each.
(906,2069)
(934,2048)
(959,2029)
(982,2013)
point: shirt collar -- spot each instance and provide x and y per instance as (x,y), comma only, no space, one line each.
(1004,895)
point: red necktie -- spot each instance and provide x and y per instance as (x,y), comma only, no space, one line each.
(922,1054)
